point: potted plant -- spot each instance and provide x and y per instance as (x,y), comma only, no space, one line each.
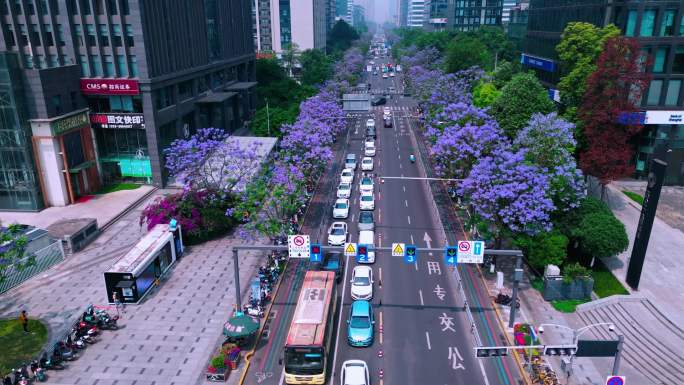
(217,370)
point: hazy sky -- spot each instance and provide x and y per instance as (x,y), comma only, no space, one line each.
(380,10)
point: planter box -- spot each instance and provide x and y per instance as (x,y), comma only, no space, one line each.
(221,375)
(556,289)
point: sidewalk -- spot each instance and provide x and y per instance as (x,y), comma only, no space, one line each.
(104,208)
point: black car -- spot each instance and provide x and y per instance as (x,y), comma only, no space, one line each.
(388,122)
(370,133)
(378,100)
(332,261)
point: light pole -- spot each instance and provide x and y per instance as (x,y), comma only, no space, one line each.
(576,333)
(268,118)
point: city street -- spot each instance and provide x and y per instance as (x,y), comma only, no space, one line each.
(422,333)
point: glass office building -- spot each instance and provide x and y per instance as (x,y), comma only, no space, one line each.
(19,184)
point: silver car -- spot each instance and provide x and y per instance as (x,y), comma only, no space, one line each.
(366,221)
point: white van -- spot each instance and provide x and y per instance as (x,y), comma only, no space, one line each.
(370,123)
(367,237)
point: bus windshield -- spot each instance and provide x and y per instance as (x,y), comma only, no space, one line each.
(304,360)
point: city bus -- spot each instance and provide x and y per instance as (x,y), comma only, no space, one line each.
(307,349)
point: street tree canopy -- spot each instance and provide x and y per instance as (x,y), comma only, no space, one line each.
(519,100)
(341,37)
(316,67)
(466,51)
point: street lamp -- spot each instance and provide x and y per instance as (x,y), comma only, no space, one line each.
(576,333)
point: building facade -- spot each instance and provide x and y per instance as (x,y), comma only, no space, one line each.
(659,28)
(416,13)
(402,12)
(109,84)
(461,15)
(517,24)
(506,7)
(302,22)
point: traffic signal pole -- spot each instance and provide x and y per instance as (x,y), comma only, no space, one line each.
(499,253)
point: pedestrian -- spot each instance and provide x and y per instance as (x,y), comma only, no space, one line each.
(117,304)
(23,318)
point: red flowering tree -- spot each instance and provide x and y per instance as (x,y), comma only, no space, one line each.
(611,94)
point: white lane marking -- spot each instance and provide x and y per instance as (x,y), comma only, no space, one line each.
(353,217)
(415,264)
(412,239)
(282,376)
(339,320)
(484,373)
(400,165)
(399,156)
(420,294)
(404,187)
(405,203)
(427,337)
(380,274)
(379,242)
(409,221)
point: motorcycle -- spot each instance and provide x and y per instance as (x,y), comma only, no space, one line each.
(52,363)
(64,352)
(254,310)
(412,158)
(38,372)
(505,299)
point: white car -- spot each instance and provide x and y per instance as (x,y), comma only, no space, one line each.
(362,283)
(367,164)
(354,372)
(341,209)
(370,123)
(337,234)
(347,176)
(386,110)
(344,190)
(366,184)
(367,201)
(384,76)
(391,74)
(369,141)
(369,150)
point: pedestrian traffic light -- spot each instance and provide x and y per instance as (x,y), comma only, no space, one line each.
(362,254)
(316,255)
(560,350)
(491,351)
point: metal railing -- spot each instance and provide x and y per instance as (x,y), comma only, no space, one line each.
(44,259)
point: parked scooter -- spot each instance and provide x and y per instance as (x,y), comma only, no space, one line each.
(505,299)
(51,363)
(254,310)
(38,372)
(64,352)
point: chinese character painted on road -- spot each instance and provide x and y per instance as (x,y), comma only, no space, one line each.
(433,267)
(447,322)
(440,292)
(455,358)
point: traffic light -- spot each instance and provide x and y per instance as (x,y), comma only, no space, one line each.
(316,254)
(560,350)
(491,351)
(362,253)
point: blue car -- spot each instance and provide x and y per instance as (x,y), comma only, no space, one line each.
(360,324)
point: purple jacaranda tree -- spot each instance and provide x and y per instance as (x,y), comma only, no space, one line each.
(212,160)
(350,66)
(456,114)
(325,110)
(509,193)
(550,144)
(470,136)
(429,58)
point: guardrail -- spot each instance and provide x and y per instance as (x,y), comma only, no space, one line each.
(44,259)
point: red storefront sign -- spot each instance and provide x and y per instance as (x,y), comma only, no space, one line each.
(109,87)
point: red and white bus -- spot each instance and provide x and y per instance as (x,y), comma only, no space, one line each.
(307,349)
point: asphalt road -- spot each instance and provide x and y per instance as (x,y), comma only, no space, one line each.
(426,337)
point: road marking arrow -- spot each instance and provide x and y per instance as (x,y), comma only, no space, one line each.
(427,240)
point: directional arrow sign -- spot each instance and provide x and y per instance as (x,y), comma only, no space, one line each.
(411,254)
(451,255)
(398,249)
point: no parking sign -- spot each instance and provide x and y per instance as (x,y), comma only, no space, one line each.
(615,380)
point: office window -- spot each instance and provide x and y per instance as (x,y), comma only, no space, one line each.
(97,66)
(78,31)
(129,35)
(60,35)
(43,7)
(28,61)
(99,7)
(124,7)
(72,7)
(53,62)
(54,7)
(30,8)
(116,35)
(112,7)
(85,7)
(49,40)
(133,66)
(678,62)
(17,7)
(57,103)
(91,39)
(672,96)
(659,60)
(85,67)
(667,23)
(647,22)
(74,100)
(40,61)
(3,7)
(109,67)
(104,35)
(35,35)
(121,63)
(9,35)
(185,90)
(630,26)
(654,92)
(23,35)
(164,97)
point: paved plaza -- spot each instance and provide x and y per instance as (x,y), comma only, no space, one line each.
(167,339)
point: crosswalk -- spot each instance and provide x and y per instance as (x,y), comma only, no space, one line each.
(392,108)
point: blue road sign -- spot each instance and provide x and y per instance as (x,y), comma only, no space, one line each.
(410,254)
(451,255)
(615,380)
(316,254)
(362,254)
(478,248)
